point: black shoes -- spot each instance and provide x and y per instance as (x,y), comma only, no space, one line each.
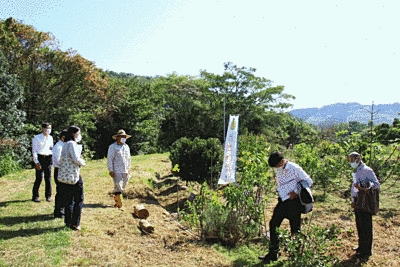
(36,199)
(362,256)
(48,199)
(268,258)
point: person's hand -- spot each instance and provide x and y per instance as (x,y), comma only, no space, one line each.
(358,186)
(292,195)
(112,174)
(38,166)
(353,204)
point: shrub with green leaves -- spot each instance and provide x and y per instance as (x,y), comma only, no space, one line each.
(312,247)
(198,159)
(234,213)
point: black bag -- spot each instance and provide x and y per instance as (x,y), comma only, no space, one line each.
(368,201)
(305,195)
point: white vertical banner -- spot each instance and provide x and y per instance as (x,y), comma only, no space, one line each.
(228,173)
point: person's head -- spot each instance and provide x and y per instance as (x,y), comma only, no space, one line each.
(121,136)
(73,133)
(354,159)
(46,128)
(276,160)
(62,135)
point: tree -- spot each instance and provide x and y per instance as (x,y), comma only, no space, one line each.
(13,143)
(239,91)
(58,85)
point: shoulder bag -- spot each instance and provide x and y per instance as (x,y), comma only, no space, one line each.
(68,173)
(368,201)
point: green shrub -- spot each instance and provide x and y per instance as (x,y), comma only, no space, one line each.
(8,165)
(198,159)
(312,247)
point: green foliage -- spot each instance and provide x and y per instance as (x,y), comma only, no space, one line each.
(9,164)
(311,247)
(218,222)
(234,214)
(239,91)
(325,163)
(13,142)
(198,159)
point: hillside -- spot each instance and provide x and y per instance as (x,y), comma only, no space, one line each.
(345,112)
(29,236)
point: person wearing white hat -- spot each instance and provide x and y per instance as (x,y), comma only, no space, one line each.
(119,163)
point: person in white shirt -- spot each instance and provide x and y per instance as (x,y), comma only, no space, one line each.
(58,206)
(288,175)
(364,179)
(119,163)
(42,145)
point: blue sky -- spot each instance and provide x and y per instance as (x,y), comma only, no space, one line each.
(323,52)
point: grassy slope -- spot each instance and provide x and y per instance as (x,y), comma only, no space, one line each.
(29,236)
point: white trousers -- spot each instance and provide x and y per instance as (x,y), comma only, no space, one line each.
(120,181)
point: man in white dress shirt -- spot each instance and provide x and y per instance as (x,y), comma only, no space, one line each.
(42,145)
(288,175)
(119,163)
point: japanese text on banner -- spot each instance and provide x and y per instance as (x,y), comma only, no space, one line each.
(228,173)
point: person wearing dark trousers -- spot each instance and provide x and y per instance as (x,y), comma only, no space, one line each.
(364,179)
(73,192)
(42,145)
(58,199)
(288,174)
(73,204)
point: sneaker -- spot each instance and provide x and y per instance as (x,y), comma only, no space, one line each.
(76,228)
(48,199)
(36,199)
(268,258)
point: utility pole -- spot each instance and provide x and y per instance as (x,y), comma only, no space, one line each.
(372,112)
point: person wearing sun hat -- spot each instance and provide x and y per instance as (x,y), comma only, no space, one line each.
(119,163)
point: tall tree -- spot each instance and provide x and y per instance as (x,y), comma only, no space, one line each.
(241,92)
(12,140)
(58,85)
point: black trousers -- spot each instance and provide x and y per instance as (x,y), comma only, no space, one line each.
(364,229)
(288,209)
(58,199)
(72,196)
(45,162)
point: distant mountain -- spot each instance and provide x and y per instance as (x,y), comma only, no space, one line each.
(345,112)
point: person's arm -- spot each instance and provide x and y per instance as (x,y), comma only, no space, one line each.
(76,155)
(301,175)
(129,159)
(34,150)
(371,177)
(110,158)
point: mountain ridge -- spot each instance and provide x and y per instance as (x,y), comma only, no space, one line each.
(345,112)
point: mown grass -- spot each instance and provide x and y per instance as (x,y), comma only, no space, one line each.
(30,236)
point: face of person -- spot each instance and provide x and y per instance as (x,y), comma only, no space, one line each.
(77,135)
(121,139)
(280,164)
(354,161)
(47,130)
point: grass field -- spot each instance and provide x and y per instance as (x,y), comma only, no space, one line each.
(30,236)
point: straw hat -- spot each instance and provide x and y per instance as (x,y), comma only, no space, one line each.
(120,132)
